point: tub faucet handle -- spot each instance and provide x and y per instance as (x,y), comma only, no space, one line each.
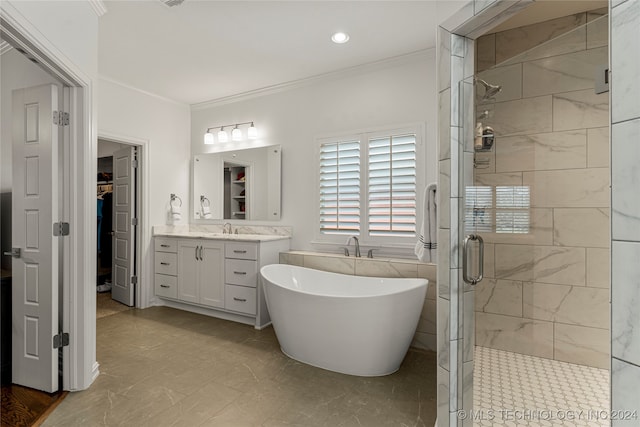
(346,251)
(370,253)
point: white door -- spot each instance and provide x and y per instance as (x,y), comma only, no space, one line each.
(211,274)
(124,228)
(35,209)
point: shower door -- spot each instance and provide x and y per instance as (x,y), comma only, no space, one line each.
(533,217)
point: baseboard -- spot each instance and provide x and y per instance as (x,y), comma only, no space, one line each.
(95,371)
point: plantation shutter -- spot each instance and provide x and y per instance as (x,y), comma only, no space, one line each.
(340,188)
(392,186)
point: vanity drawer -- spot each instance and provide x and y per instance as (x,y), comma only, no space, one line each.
(166,245)
(166,286)
(240,299)
(241,250)
(241,272)
(166,263)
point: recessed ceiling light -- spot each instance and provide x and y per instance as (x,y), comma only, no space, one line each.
(340,37)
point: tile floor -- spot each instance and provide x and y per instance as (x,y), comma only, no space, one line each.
(105,306)
(166,367)
(548,389)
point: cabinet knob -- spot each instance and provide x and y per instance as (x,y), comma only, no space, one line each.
(165,286)
(164,246)
(240,299)
(239,252)
(164,263)
(242,273)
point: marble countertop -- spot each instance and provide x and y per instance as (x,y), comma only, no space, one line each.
(221,236)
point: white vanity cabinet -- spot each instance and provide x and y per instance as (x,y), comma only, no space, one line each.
(201,272)
(216,277)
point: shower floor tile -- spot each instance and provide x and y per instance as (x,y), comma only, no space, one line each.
(513,389)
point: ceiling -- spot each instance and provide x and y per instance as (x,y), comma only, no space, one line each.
(205,50)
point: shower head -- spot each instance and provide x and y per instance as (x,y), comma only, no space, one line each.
(489,90)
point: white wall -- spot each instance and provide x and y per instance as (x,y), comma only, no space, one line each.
(16,72)
(395,93)
(132,115)
(70,26)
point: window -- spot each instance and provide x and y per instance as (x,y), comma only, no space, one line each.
(368,186)
(392,186)
(340,187)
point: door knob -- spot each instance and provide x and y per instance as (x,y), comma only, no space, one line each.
(15,253)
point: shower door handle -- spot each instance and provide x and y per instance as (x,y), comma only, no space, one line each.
(465,259)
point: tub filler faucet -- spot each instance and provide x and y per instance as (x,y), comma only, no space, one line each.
(357,245)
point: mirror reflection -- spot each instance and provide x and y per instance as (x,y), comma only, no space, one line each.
(239,184)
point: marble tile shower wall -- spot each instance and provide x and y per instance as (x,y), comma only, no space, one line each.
(625,209)
(425,336)
(546,292)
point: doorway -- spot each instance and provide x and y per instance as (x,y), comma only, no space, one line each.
(33,186)
(118,196)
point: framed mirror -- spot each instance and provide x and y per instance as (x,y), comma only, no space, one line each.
(237,185)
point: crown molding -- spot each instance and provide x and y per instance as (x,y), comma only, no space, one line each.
(416,56)
(4,47)
(141,91)
(98,7)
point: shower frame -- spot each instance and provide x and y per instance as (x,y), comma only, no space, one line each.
(455,299)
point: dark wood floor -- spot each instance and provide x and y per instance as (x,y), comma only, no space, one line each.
(22,406)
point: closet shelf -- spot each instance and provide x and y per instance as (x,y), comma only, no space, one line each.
(239,182)
(239,197)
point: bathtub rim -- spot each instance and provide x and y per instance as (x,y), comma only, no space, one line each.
(419,283)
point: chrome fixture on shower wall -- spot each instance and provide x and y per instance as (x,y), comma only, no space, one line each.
(490,90)
(236,133)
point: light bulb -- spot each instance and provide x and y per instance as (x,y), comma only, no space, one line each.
(340,37)
(222,136)
(236,134)
(208,138)
(252,132)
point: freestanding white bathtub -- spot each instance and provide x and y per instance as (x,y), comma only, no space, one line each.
(349,324)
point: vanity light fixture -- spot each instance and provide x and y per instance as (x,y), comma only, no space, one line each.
(236,134)
(340,37)
(252,132)
(222,135)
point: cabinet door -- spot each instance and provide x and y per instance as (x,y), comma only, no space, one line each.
(211,270)
(188,265)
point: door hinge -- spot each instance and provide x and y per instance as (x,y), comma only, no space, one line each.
(61,340)
(60,118)
(134,221)
(134,163)
(61,228)
(134,280)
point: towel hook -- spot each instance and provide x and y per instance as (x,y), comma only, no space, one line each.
(173,198)
(203,200)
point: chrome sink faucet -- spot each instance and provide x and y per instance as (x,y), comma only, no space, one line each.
(357,244)
(225,229)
